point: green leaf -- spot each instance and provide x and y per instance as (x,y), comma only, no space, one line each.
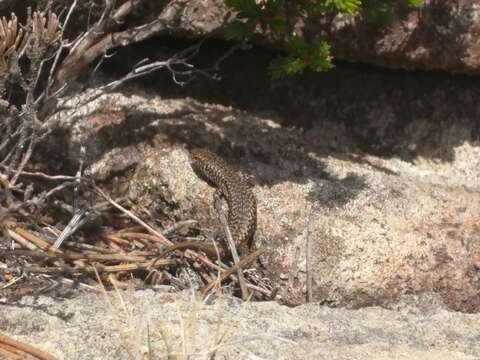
(270,15)
(322,58)
(238,30)
(343,6)
(277,26)
(298,46)
(274,6)
(379,13)
(247,8)
(285,66)
(415,3)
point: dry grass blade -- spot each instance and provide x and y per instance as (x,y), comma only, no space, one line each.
(231,245)
(118,322)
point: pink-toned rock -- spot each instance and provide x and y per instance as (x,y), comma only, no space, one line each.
(441,35)
(382,229)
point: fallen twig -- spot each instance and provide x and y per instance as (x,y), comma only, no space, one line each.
(100,268)
(13,230)
(133,216)
(242,263)
(231,245)
(194,245)
(13,349)
(56,256)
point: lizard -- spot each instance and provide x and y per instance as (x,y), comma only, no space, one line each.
(235,189)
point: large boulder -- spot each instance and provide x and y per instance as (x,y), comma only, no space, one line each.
(386,191)
(440,35)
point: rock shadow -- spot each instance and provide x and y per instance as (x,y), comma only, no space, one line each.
(381,112)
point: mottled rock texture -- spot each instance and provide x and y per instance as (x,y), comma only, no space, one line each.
(386,190)
(441,35)
(89,327)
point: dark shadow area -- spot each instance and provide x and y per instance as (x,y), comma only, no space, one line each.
(351,111)
(383,112)
(336,193)
(271,155)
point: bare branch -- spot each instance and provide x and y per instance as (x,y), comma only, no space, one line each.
(99,41)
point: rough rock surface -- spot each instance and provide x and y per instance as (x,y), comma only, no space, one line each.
(441,35)
(383,227)
(90,327)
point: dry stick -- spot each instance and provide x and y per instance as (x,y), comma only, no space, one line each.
(7,342)
(76,222)
(99,267)
(115,247)
(188,253)
(133,229)
(26,239)
(242,263)
(12,234)
(38,242)
(95,257)
(179,225)
(141,236)
(93,44)
(133,216)
(25,157)
(53,68)
(7,189)
(308,256)
(88,247)
(309,267)
(70,282)
(221,269)
(13,282)
(195,245)
(117,240)
(231,245)
(43,175)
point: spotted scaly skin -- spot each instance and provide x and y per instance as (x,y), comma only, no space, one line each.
(242,204)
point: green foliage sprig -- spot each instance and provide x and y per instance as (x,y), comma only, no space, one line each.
(273,16)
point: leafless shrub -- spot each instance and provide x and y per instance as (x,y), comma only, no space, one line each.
(37,65)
